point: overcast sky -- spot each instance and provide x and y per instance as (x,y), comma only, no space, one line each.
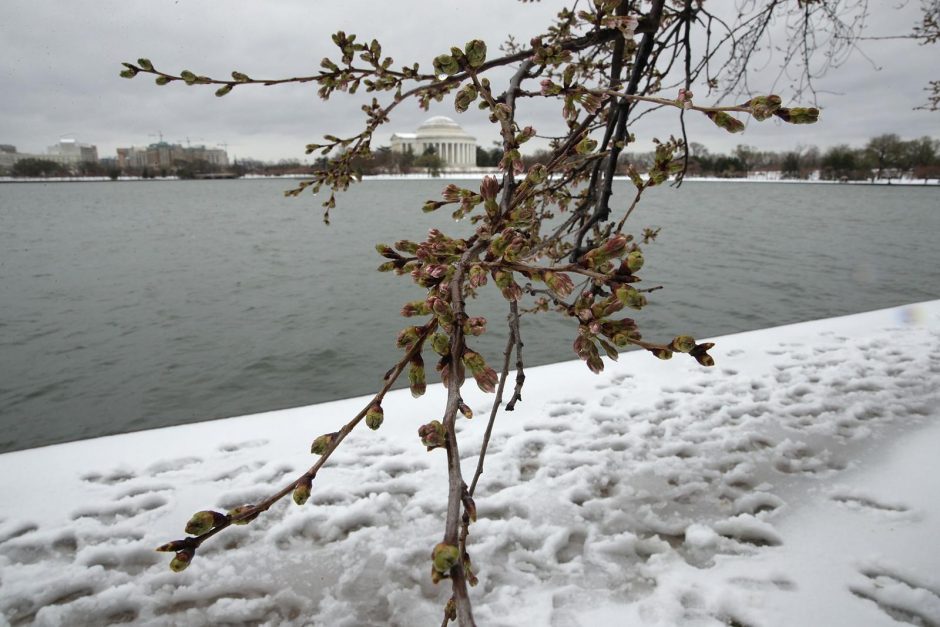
(59,65)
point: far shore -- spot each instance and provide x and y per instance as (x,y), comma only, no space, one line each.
(464,175)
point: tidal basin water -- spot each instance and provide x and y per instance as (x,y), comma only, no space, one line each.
(127,306)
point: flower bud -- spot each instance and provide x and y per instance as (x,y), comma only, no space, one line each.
(444,557)
(445,65)
(763,107)
(549,88)
(302,490)
(559,283)
(682,344)
(416,377)
(432,434)
(725,121)
(204,521)
(441,344)
(635,261)
(322,443)
(475,51)
(489,188)
(375,416)
(662,353)
(798,115)
(181,560)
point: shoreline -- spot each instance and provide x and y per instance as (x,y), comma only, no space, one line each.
(469,176)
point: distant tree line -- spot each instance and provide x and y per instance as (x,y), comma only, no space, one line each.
(883,157)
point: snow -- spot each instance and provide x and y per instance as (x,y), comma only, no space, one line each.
(796,483)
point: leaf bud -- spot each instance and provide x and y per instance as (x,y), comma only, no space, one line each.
(241,78)
(188,76)
(375,416)
(224,89)
(559,283)
(450,610)
(465,410)
(322,443)
(161,80)
(181,560)
(662,353)
(235,512)
(302,490)
(432,434)
(416,377)
(444,557)
(145,64)
(172,547)
(130,72)
(202,522)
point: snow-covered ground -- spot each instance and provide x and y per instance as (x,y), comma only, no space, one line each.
(796,483)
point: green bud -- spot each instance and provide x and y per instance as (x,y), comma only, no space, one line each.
(188,76)
(322,443)
(662,353)
(444,557)
(241,78)
(465,98)
(204,521)
(302,490)
(432,434)
(161,80)
(475,51)
(446,65)
(416,377)
(683,344)
(763,107)
(798,115)
(181,560)
(129,73)
(441,344)
(224,89)
(375,416)
(725,121)
(635,261)
(145,64)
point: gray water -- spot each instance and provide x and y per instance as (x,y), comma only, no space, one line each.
(127,306)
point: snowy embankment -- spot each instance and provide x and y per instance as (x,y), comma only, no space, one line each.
(796,483)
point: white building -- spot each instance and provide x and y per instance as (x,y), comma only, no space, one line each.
(74,152)
(451,143)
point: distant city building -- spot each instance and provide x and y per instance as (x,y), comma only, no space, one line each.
(451,143)
(164,155)
(67,152)
(73,151)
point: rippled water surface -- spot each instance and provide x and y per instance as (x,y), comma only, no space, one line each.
(128,306)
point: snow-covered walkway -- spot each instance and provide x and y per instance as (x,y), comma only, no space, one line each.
(796,483)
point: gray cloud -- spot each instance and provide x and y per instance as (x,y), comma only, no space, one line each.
(59,66)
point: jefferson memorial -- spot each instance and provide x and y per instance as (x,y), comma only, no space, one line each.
(451,143)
